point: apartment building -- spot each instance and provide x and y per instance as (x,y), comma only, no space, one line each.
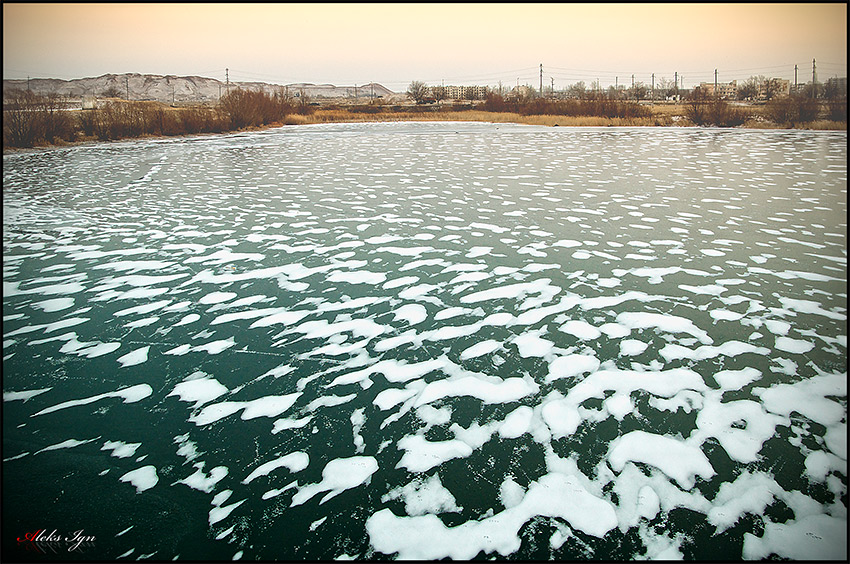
(464,92)
(724,89)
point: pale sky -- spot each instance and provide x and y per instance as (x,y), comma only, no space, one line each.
(394,44)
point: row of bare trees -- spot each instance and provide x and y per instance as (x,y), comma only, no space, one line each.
(31,119)
(702,108)
(597,105)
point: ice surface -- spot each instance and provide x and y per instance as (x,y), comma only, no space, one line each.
(221,513)
(135,357)
(420,455)
(571,365)
(736,379)
(667,323)
(530,344)
(55,304)
(795,346)
(338,475)
(413,314)
(581,329)
(199,390)
(294,461)
(121,450)
(807,397)
(679,460)
(268,406)
(632,347)
(424,496)
(69,443)
(24,395)
(489,390)
(480,349)
(611,361)
(203,481)
(131,394)
(142,479)
(814,537)
(723,421)
(516,423)
(425,537)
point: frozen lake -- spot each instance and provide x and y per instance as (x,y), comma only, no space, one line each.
(429,340)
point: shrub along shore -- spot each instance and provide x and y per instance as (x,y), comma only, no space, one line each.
(30,120)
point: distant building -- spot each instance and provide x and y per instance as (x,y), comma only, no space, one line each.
(523,91)
(465,92)
(724,89)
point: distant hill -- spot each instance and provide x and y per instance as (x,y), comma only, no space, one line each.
(181,88)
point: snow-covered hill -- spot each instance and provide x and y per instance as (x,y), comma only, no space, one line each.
(181,88)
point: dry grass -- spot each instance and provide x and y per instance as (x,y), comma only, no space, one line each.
(826,124)
(339,116)
(199,119)
(663,115)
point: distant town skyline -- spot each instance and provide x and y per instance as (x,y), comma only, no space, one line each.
(394,44)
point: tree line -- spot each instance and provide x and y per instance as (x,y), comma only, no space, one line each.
(802,106)
(31,119)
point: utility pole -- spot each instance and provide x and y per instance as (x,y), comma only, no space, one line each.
(541,79)
(715,82)
(652,96)
(814,81)
(28,84)
(355,92)
(633,85)
(553,85)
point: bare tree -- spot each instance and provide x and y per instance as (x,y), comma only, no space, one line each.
(696,108)
(771,88)
(20,123)
(438,92)
(55,122)
(417,91)
(577,90)
(666,87)
(638,91)
(749,89)
(112,92)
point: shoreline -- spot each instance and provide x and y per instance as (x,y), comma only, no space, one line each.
(546,120)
